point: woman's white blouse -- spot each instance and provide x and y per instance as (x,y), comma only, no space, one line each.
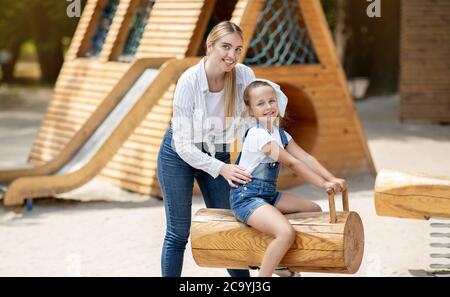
(190,122)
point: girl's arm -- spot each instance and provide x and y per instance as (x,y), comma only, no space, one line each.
(273,150)
(297,152)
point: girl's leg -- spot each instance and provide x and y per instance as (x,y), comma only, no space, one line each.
(291,203)
(216,193)
(176,179)
(278,227)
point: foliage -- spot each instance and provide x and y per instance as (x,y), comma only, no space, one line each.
(45,22)
(329,7)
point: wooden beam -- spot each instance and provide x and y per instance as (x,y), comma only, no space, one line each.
(411,195)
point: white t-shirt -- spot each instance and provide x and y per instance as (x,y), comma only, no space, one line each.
(252,154)
(215,108)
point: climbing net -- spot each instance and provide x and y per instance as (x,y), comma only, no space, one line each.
(137,28)
(104,22)
(281,37)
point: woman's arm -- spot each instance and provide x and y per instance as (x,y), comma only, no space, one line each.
(277,153)
(297,152)
(183,127)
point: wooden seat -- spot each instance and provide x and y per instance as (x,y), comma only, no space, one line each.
(411,195)
(326,241)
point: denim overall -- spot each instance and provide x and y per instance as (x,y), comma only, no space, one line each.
(260,190)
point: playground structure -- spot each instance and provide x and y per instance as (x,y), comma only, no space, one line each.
(408,195)
(116,42)
(424,61)
(331,242)
(417,196)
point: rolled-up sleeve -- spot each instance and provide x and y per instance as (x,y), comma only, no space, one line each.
(182,125)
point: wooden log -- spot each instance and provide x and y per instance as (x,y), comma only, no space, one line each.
(411,195)
(219,240)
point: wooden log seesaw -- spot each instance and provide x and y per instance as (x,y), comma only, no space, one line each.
(329,242)
(418,196)
(411,195)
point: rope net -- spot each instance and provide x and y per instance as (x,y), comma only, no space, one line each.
(104,22)
(281,37)
(137,27)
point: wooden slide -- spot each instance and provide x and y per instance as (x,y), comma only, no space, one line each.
(55,177)
(408,195)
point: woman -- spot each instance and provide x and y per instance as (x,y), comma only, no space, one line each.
(207,107)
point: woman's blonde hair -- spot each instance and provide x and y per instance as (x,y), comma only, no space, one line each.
(220,30)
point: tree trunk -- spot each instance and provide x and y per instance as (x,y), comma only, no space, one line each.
(384,69)
(342,32)
(50,60)
(359,43)
(8,68)
(48,44)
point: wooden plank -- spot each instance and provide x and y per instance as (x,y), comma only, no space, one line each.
(180,5)
(76,105)
(92,78)
(131,186)
(409,195)
(166,34)
(99,96)
(165,42)
(126,176)
(87,100)
(61,121)
(168,27)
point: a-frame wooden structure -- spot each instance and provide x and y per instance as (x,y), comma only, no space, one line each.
(322,117)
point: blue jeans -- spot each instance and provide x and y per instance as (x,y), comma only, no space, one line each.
(176,179)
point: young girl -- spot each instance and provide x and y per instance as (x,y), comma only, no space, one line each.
(265,147)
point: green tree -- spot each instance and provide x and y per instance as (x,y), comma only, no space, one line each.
(45,22)
(13,32)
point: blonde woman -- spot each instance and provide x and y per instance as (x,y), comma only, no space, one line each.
(207,107)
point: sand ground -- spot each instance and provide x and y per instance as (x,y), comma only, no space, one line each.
(124,237)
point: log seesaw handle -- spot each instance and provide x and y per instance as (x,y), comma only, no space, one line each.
(330,192)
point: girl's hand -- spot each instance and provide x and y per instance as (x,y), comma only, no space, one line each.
(235,173)
(331,185)
(341,182)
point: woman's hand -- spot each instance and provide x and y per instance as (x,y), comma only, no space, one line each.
(331,185)
(235,173)
(341,182)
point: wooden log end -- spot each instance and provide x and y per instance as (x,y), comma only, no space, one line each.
(353,242)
